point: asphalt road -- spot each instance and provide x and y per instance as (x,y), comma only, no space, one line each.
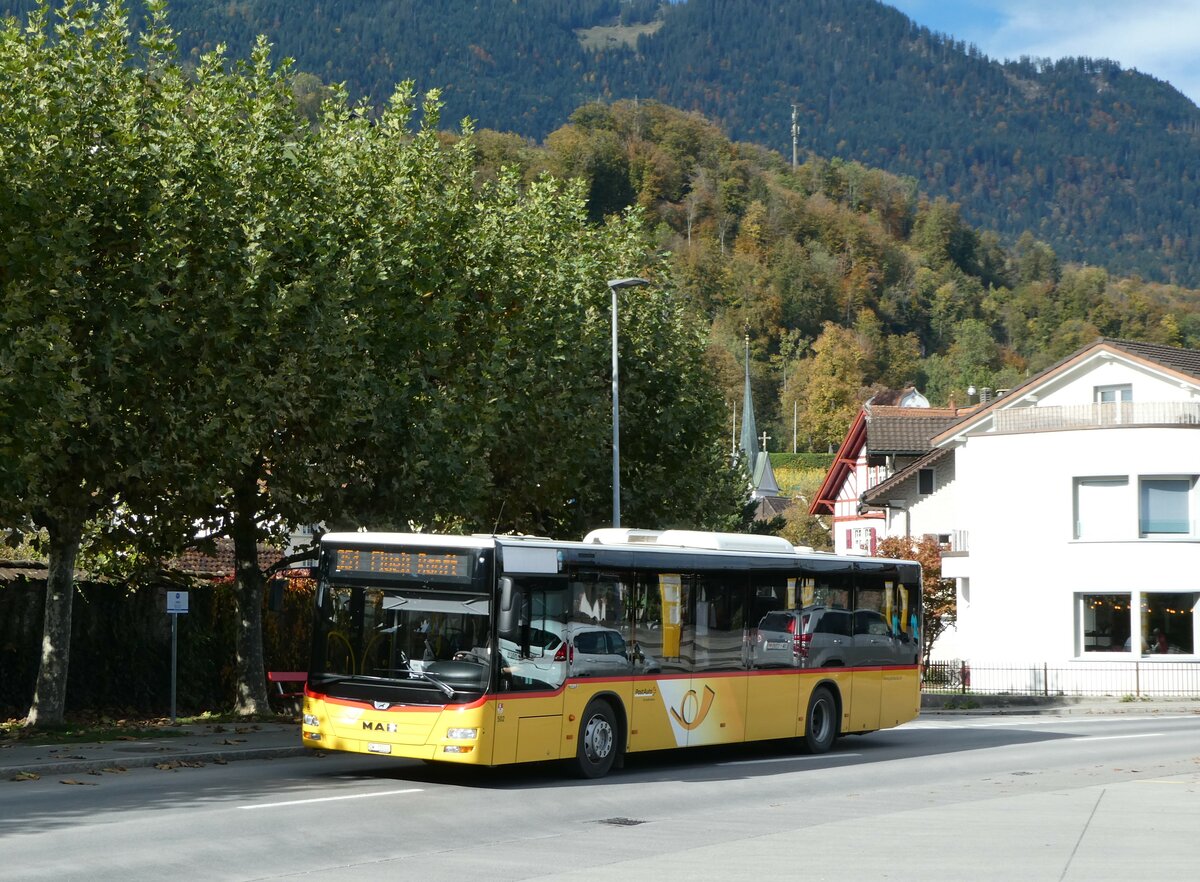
(1018,797)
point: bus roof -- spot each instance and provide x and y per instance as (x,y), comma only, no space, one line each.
(663,541)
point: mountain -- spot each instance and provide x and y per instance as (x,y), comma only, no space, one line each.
(1097,161)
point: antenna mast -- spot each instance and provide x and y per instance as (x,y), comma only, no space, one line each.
(795,135)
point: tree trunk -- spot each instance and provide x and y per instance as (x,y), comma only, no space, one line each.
(50,692)
(248,590)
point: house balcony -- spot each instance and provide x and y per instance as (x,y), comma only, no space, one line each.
(1099,416)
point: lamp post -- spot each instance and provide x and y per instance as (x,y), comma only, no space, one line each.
(615,285)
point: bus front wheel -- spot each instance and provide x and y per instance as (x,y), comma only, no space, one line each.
(597,744)
(821,722)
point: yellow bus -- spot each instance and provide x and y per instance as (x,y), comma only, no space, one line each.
(491,650)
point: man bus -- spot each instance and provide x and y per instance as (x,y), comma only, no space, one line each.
(491,650)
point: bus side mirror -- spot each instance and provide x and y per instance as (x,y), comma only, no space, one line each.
(508,616)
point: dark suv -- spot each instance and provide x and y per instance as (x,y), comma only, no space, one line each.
(812,637)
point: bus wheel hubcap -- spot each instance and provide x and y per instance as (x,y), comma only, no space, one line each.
(597,738)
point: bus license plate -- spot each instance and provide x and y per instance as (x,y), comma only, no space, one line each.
(376,747)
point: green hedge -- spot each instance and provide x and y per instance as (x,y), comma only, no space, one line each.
(800,461)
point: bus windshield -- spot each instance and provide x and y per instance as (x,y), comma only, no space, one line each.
(418,645)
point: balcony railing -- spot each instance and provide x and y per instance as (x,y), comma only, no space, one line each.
(1096,416)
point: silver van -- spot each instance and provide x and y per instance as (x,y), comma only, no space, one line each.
(812,637)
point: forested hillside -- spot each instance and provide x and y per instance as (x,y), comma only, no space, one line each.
(1095,160)
(843,277)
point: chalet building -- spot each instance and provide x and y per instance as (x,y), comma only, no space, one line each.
(890,433)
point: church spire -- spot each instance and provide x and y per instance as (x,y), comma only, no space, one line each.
(758,461)
(749,440)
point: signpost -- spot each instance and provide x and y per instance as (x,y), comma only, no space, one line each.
(177,605)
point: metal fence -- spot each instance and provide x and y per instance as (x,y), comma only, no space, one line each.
(1136,678)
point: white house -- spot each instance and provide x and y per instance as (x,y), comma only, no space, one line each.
(1077,491)
(1067,509)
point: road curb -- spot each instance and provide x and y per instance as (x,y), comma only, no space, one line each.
(171,760)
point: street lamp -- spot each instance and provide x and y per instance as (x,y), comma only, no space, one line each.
(615,285)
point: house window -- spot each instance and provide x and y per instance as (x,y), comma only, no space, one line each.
(924,481)
(1168,623)
(1114,394)
(1107,622)
(1165,623)
(1103,508)
(1165,506)
(863,541)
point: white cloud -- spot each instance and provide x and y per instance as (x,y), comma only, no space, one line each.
(1157,37)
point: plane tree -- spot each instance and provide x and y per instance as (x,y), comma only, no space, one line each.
(220,320)
(87,167)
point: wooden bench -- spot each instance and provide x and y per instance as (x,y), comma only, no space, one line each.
(288,684)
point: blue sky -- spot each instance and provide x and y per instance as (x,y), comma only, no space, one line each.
(1157,37)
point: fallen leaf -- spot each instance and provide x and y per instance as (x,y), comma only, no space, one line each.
(81,783)
(113,770)
(233,741)
(221,762)
(26,776)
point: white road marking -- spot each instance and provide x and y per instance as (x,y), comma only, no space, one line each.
(1123,737)
(330,798)
(790,759)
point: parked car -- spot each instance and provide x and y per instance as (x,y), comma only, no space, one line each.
(812,637)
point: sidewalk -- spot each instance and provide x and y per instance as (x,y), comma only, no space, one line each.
(200,743)
(983,705)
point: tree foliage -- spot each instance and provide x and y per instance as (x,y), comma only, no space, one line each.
(86,170)
(216,314)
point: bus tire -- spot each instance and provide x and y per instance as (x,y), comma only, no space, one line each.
(597,741)
(820,722)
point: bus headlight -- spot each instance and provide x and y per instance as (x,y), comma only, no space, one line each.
(462,734)
(312,720)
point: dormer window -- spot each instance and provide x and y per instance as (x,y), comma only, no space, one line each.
(1114,404)
(1114,394)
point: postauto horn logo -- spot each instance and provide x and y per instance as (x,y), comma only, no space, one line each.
(693,708)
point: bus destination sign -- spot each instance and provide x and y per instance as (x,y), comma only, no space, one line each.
(403,564)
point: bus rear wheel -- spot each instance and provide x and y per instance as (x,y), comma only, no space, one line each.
(820,722)
(597,742)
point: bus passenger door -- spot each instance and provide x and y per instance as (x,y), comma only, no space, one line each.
(713,709)
(772,693)
(901,698)
(872,649)
(663,637)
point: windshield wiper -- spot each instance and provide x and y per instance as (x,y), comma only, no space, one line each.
(447,689)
